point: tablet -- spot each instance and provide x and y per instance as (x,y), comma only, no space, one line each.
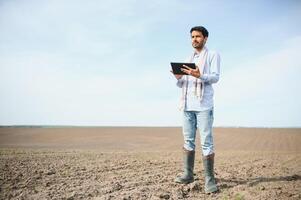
(176,67)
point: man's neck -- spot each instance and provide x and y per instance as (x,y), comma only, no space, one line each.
(198,50)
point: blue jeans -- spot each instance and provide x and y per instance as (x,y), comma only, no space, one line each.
(201,120)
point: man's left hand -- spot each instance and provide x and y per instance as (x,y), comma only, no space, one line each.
(193,72)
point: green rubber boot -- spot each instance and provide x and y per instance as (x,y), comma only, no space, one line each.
(210,185)
(187,176)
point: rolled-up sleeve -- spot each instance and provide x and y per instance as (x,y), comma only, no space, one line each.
(180,82)
(214,70)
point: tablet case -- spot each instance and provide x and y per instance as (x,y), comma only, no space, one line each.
(176,67)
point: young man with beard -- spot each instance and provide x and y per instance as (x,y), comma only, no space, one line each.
(197,106)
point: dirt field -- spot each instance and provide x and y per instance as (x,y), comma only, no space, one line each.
(141,163)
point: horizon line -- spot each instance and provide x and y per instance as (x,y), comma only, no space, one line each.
(110,126)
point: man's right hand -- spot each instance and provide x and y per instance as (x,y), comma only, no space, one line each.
(178,76)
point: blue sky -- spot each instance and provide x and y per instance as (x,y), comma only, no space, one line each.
(106,63)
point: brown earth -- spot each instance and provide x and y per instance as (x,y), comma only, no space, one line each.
(141,163)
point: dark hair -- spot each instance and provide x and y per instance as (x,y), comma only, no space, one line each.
(201,29)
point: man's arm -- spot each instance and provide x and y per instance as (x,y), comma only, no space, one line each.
(214,70)
(179,79)
(180,82)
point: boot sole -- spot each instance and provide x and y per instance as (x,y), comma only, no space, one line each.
(184,182)
(213,190)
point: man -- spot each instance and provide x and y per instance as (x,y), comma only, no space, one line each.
(197,106)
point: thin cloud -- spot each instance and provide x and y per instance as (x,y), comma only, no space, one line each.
(265,88)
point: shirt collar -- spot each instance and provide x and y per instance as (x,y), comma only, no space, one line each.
(197,54)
